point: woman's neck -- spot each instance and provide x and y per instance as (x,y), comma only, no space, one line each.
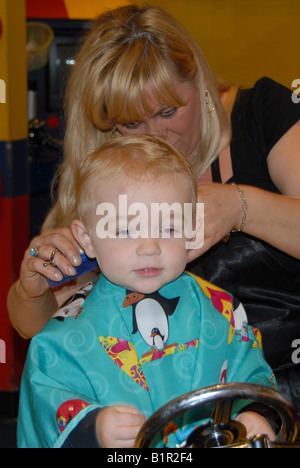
(228,98)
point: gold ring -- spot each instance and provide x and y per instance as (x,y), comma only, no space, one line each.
(51,261)
(53,255)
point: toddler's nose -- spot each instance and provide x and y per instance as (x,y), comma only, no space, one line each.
(148,247)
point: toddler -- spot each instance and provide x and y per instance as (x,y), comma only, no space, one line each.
(147,330)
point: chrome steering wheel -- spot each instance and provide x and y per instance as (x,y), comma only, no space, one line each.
(222,431)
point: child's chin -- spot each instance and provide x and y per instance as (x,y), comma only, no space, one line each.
(147,288)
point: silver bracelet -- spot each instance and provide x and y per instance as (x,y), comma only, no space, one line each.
(244,209)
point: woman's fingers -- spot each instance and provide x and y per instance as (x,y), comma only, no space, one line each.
(47,254)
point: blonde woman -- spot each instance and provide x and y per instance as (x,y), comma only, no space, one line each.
(139,71)
(131,64)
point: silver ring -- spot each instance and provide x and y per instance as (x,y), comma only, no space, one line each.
(34,251)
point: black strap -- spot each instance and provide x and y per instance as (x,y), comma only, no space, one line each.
(215,170)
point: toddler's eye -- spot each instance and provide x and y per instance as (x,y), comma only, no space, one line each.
(167,231)
(123,233)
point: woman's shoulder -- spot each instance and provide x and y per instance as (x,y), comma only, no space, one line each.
(268,94)
(267,83)
(267,111)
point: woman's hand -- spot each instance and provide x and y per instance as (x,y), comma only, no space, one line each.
(271,217)
(222,213)
(118,426)
(34,275)
(31,302)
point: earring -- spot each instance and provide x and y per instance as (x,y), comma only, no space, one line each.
(209,102)
(115,133)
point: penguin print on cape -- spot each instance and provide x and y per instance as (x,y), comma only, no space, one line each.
(150,314)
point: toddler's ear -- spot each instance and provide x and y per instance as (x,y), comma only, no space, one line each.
(83,238)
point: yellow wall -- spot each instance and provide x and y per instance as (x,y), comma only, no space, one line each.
(13,70)
(83,9)
(243,40)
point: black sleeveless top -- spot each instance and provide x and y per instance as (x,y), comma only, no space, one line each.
(266,280)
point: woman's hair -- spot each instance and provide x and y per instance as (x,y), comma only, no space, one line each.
(142,158)
(127,49)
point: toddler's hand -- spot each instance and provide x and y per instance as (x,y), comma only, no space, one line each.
(256,424)
(118,426)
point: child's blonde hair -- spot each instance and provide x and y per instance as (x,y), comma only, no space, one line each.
(127,49)
(140,157)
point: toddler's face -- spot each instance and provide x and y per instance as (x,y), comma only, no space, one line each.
(139,246)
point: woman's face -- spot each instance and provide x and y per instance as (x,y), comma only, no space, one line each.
(180,126)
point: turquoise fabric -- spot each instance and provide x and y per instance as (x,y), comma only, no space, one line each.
(94,354)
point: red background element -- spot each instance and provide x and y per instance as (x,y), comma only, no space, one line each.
(44,9)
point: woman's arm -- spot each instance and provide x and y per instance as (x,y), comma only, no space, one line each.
(29,315)
(274,219)
(271,217)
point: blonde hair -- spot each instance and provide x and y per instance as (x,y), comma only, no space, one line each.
(142,158)
(126,49)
